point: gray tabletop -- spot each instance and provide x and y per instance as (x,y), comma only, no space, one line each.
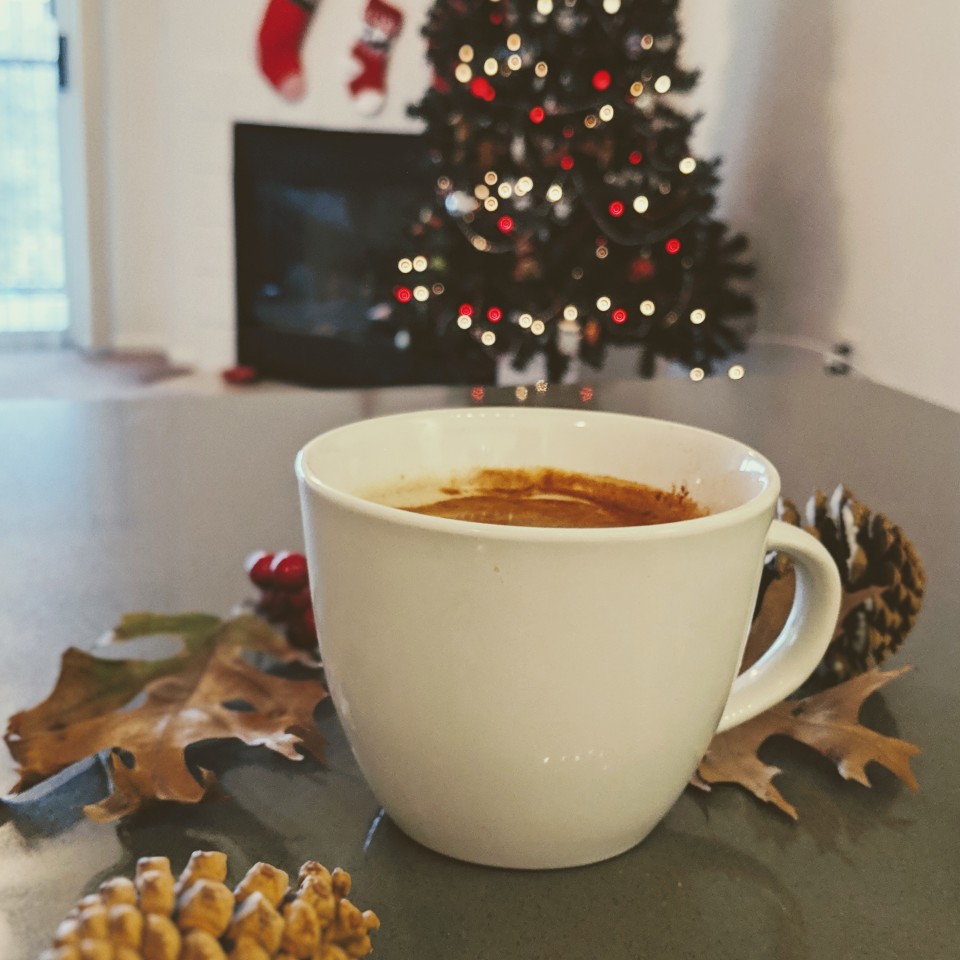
(109,507)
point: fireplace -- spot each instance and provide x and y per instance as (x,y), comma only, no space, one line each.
(320,220)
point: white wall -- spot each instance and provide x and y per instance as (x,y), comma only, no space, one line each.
(835,118)
(179,74)
(839,126)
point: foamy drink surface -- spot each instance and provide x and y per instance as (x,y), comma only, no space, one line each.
(545,497)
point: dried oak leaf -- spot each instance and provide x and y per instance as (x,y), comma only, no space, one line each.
(207,690)
(828,722)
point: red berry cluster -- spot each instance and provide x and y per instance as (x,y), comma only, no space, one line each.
(284,594)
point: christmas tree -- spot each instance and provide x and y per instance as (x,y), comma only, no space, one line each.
(569,212)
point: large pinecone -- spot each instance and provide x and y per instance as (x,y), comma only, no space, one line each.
(880,572)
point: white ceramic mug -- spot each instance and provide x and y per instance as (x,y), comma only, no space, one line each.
(531,697)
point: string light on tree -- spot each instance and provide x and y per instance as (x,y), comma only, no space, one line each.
(482,89)
(566,182)
(601,80)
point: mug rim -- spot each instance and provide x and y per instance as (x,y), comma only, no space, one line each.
(754,506)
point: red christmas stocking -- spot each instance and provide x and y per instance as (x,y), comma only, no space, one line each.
(381,23)
(282,30)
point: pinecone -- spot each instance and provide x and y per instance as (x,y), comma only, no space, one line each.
(197,917)
(880,572)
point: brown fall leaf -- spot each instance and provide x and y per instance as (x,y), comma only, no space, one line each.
(828,722)
(207,690)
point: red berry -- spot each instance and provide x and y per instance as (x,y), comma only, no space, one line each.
(257,566)
(274,605)
(300,600)
(300,637)
(289,570)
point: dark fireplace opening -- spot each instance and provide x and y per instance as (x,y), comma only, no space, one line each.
(321,218)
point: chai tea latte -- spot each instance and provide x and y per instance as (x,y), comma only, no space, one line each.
(544,497)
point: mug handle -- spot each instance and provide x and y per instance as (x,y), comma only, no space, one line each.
(806,635)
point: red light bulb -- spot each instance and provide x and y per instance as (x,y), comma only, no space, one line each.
(619,315)
(616,209)
(673,245)
(466,309)
(494,314)
(403,294)
(601,80)
(635,156)
(505,224)
(566,163)
(537,114)
(481,88)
